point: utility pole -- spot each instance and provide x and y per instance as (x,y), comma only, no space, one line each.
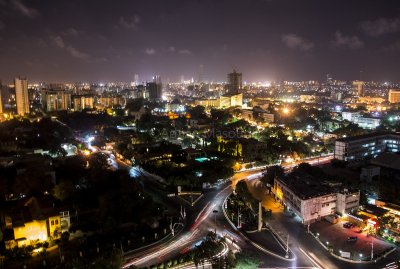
(372,250)
(287,247)
(238,217)
(215,220)
(260,220)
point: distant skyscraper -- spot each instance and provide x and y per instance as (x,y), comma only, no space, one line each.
(155,88)
(201,73)
(329,79)
(1,99)
(394,96)
(1,102)
(358,87)
(234,82)
(21,95)
(136,79)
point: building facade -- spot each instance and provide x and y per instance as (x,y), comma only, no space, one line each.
(394,96)
(234,85)
(21,95)
(359,88)
(312,203)
(56,100)
(357,148)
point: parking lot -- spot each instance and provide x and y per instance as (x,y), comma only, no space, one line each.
(335,235)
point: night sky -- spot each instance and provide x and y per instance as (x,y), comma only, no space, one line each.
(101,41)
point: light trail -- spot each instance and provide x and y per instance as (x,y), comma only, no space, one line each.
(165,250)
(313,260)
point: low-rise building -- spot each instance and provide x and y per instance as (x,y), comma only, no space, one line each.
(32,220)
(311,200)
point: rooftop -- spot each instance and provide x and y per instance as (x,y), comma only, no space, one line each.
(365,136)
(306,187)
(388,160)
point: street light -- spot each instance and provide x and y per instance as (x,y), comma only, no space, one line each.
(215,220)
(285,110)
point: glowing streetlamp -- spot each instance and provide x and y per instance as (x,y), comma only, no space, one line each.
(285,110)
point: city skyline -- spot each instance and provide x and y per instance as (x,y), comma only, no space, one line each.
(71,41)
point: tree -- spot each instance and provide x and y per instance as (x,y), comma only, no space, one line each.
(99,161)
(57,151)
(63,190)
(244,193)
(247,260)
(272,172)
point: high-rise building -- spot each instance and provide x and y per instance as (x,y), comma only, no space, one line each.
(21,95)
(394,96)
(155,88)
(329,79)
(55,100)
(81,102)
(136,79)
(358,87)
(1,102)
(1,99)
(234,82)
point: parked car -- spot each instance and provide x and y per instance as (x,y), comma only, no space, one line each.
(352,239)
(348,225)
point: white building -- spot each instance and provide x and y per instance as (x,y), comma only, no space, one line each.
(363,122)
(313,201)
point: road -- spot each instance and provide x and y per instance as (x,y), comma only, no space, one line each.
(305,247)
(201,220)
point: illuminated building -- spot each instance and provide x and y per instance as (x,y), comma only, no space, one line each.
(110,101)
(363,122)
(210,103)
(357,148)
(234,85)
(56,100)
(81,102)
(358,87)
(34,220)
(307,98)
(1,102)
(229,100)
(394,96)
(224,101)
(21,95)
(371,100)
(311,201)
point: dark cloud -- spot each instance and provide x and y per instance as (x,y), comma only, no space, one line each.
(150,51)
(75,53)
(185,51)
(130,23)
(23,9)
(293,41)
(91,40)
(342,41)
(381,26)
